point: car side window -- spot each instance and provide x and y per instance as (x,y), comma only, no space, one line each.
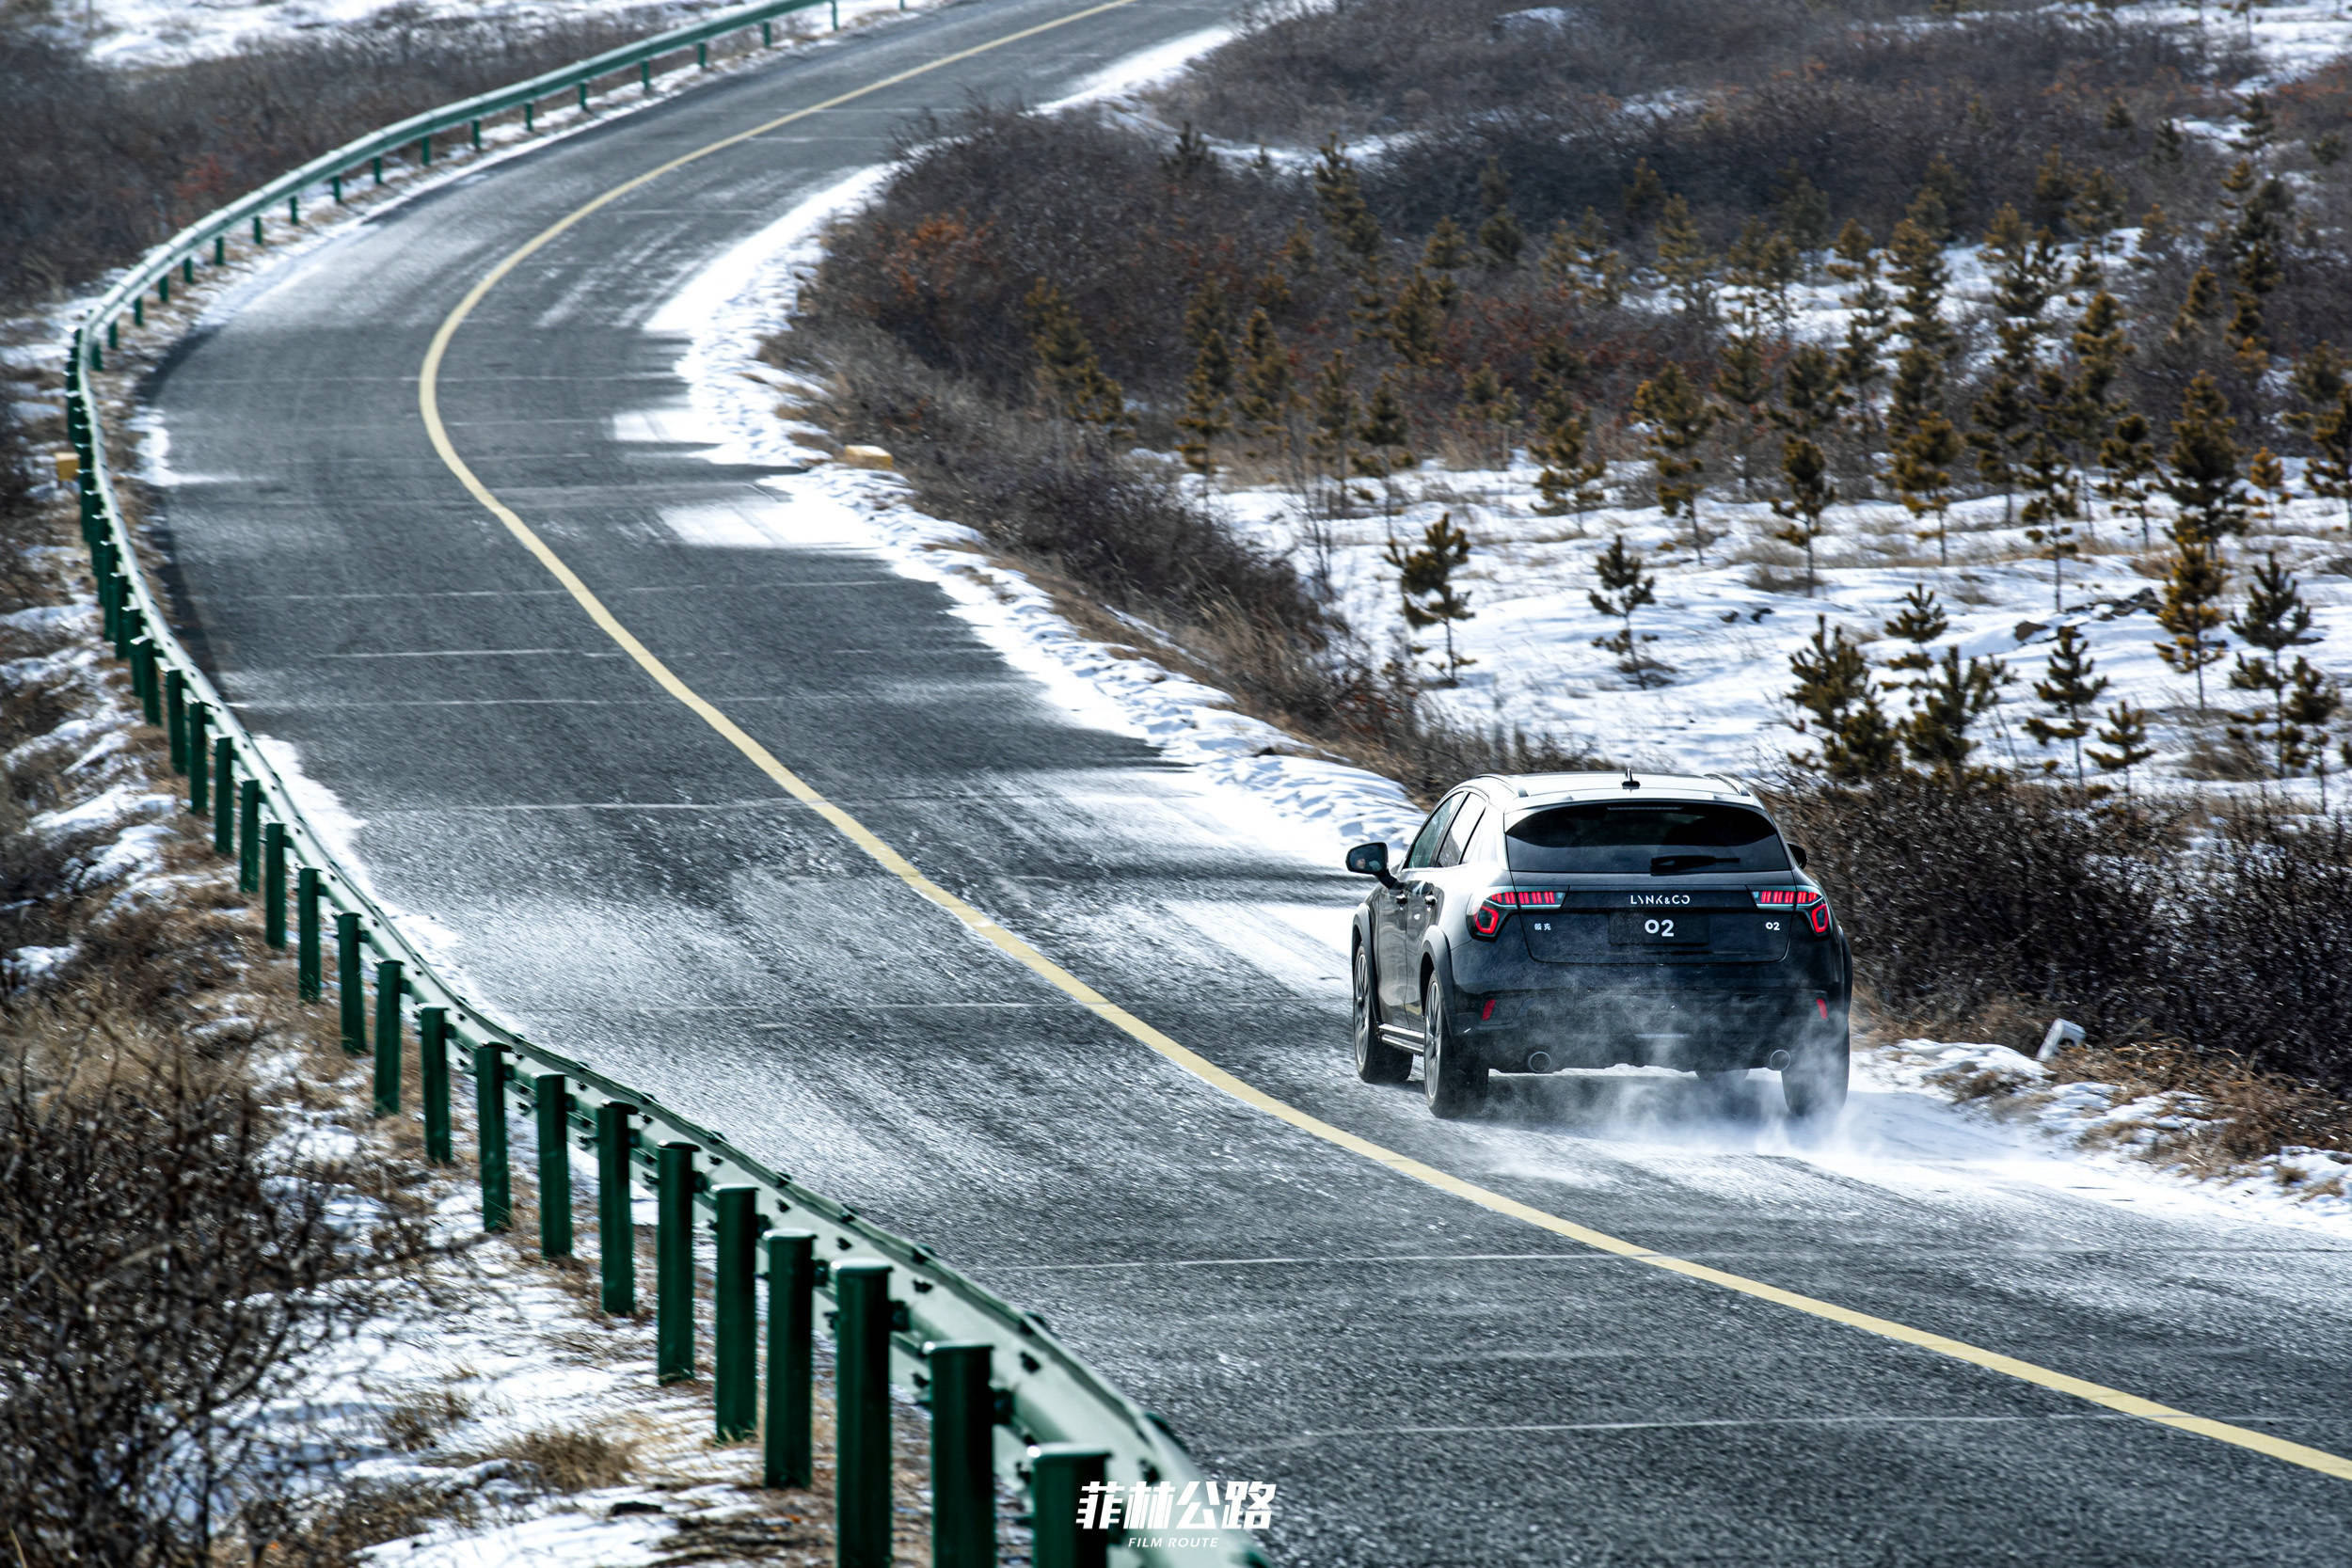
(1457,836)
(1486,843)
(1431,835)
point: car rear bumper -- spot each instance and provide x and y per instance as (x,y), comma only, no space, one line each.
(1688,1027)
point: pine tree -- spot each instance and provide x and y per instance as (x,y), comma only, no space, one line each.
(2047,513)
(1942,191)
(1346,215)
(2069,689)
(2169,146)
(2319,380)
(1209,314)
(2191,611)
(1920,622)
(2126,732)
(1920,275)
(1811,398)
(2201,471)
(1604,266)
(2268,477)
(2313,701)
(1626,586)
(1331,437)
(1945,706)
(1447,250)
(1266,397)
(1203,418)
(1997,424)
(1385,443)
(2127,459)
(1678,420)
(2025,275)
(1424,581)
(1917,393)
(1069,377)
(1742,383)
(1683,260)
(1500,236)
(1487,401)
(1870,320)
(1834,686)
(2274,619)
(1921,474)
(2200,308)
(1801,209)
(1569,482)
(2098,210)
(1416,319)
(1644,195)
(2257,126)
(2119,115)
(1811,494)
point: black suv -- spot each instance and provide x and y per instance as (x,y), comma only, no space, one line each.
(1583,920)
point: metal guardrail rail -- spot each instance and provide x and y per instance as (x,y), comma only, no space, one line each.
(1057,1423)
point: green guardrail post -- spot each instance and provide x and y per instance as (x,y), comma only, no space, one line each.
(224,797)
(617,1219)
(348,990)
(837,15)
(551,1100)
(220,248)
(735,1314)
(128,621)
(583,95)
(187,268)
(963,1456)
(376,167)
(673,1263)
(388,988)
(476,135)
(1068,1534)
(176,718)
(767,34)
(147,679)
(860,1415)
(199,764)
(433,1083)
(274,884)
(645,76)
(257,230)
(789,1455)
(308,981)
(490,1068)
(335,188)
(702,56)
(249,836)
(530,115)
(138,311)
(424,151)
(163,289)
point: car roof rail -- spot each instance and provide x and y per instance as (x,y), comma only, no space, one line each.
(1737,787)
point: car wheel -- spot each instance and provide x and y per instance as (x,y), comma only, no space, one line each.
(1452,1087)
(1376,1061)
(1814,1081)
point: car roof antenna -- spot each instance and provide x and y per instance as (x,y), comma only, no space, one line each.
(1631,781)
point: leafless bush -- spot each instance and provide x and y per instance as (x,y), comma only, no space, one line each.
(2009,904)
(166,1266)
(95,166)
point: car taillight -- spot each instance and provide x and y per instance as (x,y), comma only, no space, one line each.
(1816,908)
(1487,920)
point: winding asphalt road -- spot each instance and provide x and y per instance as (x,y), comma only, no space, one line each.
(1427,1381)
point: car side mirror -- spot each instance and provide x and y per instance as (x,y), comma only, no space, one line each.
(1371,860)
(1796,852)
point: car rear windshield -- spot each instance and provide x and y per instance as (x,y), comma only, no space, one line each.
(1643,839)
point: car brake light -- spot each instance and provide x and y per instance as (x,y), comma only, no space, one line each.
(1816,908)
(1819,916)
(1487,920)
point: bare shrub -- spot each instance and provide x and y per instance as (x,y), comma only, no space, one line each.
(562,1460)
(165,1269)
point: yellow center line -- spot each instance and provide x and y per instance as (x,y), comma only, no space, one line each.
(428,399)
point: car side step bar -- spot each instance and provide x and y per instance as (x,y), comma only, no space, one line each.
(1396,1034)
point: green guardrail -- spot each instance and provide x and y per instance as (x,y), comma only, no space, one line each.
(1005,1399)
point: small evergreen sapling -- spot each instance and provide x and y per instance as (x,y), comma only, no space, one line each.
(1920,622)
(2191,611)
(1424,581)
(2126,734)
(1069,377)
(1678,420)
(1834,686)
(2127,459)
(2070,689)
(1626,586)
(1810,494)
(1500,236)
(2319,380)
(1488,401)
(2275,618)
(2052,484)
(1570,482)
(1922,475)
(1945,706)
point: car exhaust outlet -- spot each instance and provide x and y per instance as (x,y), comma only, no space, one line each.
(1539,1061)
(1777,1061)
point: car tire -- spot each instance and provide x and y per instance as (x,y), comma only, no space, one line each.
(1814,1081)
(1452,1087)
(1377,1060)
